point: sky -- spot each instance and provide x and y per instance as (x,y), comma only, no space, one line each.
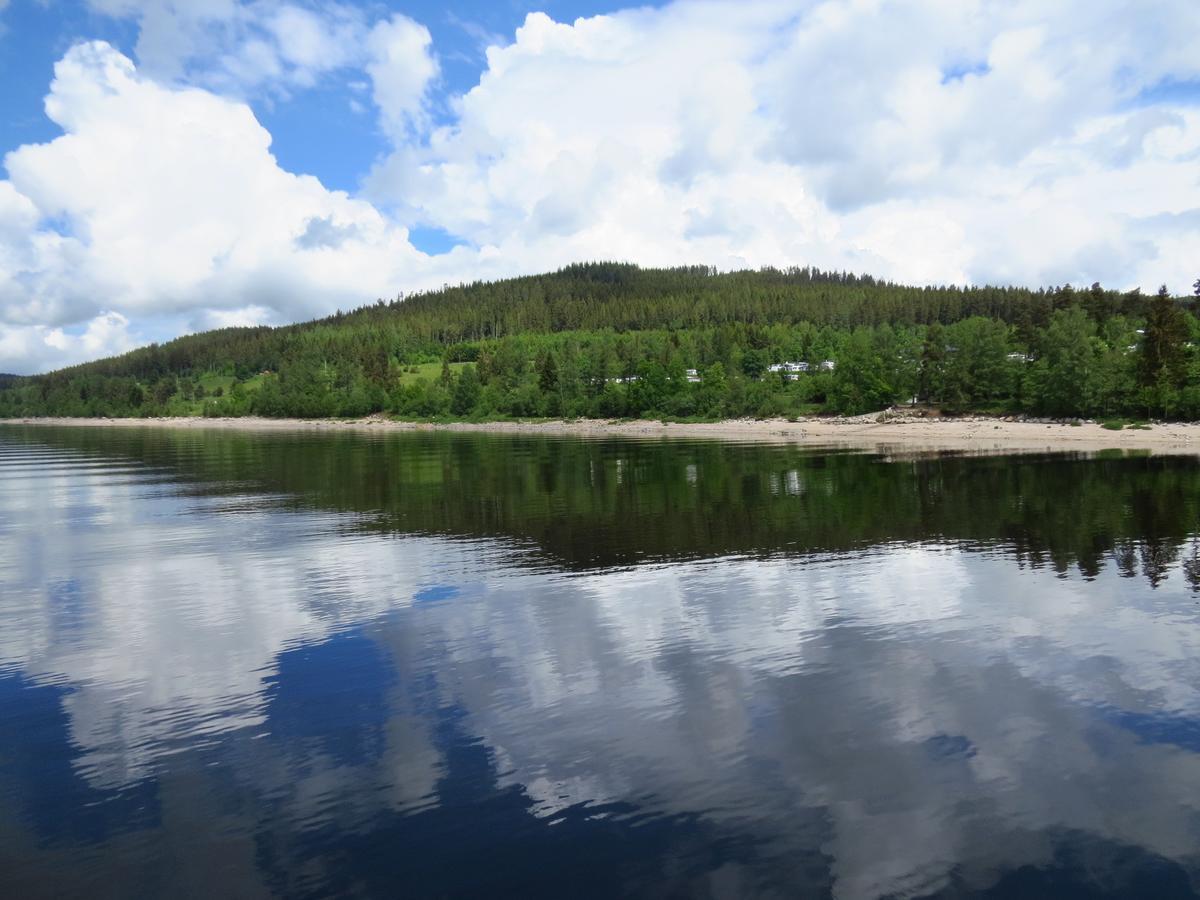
(170,166)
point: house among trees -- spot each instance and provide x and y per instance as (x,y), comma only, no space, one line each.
(789,370)
(793,370)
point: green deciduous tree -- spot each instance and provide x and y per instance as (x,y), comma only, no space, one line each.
(858,382)
(1065,378)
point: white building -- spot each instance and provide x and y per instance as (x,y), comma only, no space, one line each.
(790,370)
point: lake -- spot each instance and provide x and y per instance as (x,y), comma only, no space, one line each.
(238,664)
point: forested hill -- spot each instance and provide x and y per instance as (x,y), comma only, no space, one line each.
(612,339)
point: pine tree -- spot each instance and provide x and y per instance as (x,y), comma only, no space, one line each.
(547,369)
(1163,358)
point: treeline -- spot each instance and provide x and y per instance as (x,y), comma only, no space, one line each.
(615,340)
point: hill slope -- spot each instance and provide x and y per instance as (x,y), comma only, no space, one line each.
(612,339)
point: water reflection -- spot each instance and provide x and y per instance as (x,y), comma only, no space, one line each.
(255,665)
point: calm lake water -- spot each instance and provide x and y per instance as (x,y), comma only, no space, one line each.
(305,665)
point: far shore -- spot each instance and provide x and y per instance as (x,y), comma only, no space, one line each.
(889,431)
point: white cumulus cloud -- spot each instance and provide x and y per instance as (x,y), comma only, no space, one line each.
(241,47)
(401,66)
(26,347)
(163,201)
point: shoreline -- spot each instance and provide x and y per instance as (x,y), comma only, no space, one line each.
(889,431)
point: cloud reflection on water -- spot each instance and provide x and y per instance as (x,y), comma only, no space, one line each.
(908,719)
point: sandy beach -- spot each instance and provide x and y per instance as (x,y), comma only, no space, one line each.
(889,431)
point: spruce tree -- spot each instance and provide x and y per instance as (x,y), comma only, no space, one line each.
(1163,357)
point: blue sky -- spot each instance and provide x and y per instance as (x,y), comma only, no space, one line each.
(175,165)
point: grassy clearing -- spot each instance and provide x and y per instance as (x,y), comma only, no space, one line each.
(211,382)
(427,371)
(253,383)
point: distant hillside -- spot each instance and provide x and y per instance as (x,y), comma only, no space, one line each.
(8,380)
(612,339)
